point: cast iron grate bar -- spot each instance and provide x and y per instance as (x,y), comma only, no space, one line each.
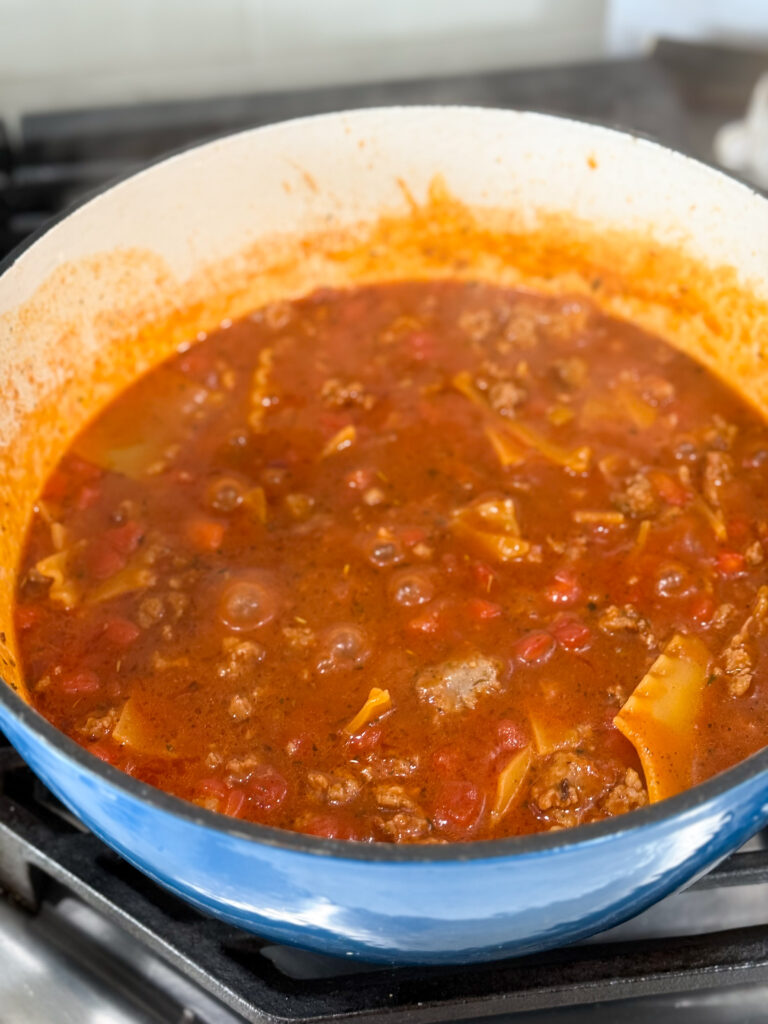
(40,850)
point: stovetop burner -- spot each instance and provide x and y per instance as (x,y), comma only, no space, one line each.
(88,939)
(122,925)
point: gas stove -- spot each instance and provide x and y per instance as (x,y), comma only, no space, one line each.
(85,938)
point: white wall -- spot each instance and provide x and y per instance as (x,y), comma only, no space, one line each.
(64,53)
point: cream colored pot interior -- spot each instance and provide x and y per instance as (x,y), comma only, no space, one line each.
(371,195)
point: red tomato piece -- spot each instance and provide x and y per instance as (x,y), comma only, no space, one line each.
(328,826)
(102,751)
(572,635)
(103,560)
(480,609)
(510,735)
(205,534)
(235,803)
(125,538)
(670,489)
(87,496)
(739,529)
(213,787)
(27,615)
(365,742)
(267,788)
(535,648)
(564,589)
(730,563)
(121,632)
(458,807)
(80,682)
(703,609)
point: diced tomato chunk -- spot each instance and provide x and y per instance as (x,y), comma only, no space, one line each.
(87,496)
(738,529)
(564,589)
(213,787)
(80,682)
(205,534)
(235,803)
(267,788)
(103,560)
(535,648)
(125,538)
(480,609)
(730,563)
(365,742)
(703,609)
(571,634)
(458,807)
(121,632)
(102,751)
(670,489)
(27,615)
(510,735)
(328,826)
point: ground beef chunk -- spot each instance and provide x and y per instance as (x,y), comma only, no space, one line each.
(394,798)
(638,497)
(98,726)
(720,434)
(626,795)
(504,396)
(754,554)
(735,664)
(403,827)
(566,787)
(338,787)
(339,394)
(476,324)
(572,372)
(626,619)
(736,667)
(454,685)
(718,469)
(722,614)
(239,659)
(299,637)
(390,767)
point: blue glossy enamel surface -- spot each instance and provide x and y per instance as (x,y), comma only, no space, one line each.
(427,905)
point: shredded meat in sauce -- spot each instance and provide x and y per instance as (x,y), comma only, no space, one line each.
(416,562)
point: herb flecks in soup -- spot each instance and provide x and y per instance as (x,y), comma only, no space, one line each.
(413,563)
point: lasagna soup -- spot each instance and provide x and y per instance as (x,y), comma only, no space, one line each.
(415,562)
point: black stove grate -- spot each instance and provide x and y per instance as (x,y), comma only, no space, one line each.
(45,854)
